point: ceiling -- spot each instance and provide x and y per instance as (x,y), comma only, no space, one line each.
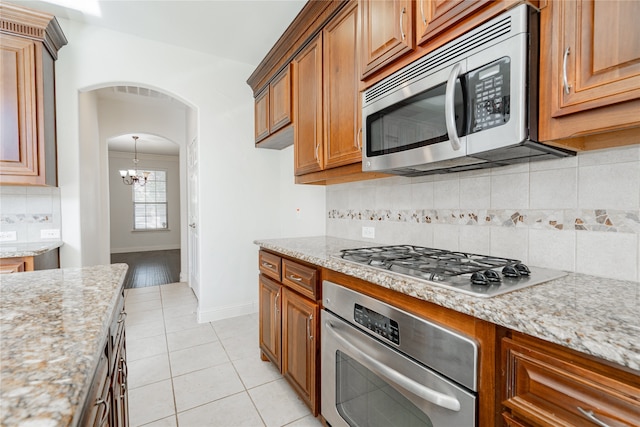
(240,30)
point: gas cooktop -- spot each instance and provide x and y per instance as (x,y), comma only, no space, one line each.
(474,274)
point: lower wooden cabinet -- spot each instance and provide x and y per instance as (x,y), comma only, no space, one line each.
(270,323)
(107,403)
(547,385)
(300,345)
(289,327)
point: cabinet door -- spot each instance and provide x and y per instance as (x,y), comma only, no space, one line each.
(307,72)
(280,100)
(270,318)
(387,32)
(261,115)
(341,93)
(300,346)
(21,145)
(120,391)
(547,388)
(590,60)
(434,17)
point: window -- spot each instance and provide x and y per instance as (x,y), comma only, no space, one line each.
(150,202)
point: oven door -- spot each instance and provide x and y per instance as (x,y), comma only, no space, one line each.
(367,383)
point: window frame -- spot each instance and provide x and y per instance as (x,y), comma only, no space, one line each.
(165,203)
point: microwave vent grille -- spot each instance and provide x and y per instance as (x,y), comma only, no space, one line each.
(482,36)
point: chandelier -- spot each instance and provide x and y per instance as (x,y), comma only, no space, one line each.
(131,176)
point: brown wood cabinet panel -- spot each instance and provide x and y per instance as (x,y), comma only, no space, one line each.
(261,115)
(16,264)
(342,109)
(387,32)
(300,346)
(300,278)
(307,77)
(589,68)
(21,148)
(270,264)
(270,319)
(436,16)
(280,100)
(551,388)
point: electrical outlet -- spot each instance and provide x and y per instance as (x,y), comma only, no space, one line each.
(369,232)
(50,234)
(8,236)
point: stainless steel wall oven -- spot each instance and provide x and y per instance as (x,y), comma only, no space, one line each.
(382,366)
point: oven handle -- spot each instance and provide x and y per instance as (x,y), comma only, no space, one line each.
(396,377)
(450,107)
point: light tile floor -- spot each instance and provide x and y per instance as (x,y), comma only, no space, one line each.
(189,374)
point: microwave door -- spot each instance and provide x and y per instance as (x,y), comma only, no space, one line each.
(415,131)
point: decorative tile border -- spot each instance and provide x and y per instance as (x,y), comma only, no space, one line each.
(26,218)
(570,219)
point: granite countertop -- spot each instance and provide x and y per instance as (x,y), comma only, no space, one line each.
(27,249)
(593,315)
(53,326)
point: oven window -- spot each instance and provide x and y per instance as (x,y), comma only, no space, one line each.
(366,400)
(414,122)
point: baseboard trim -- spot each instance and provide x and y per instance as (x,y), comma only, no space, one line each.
(220,313)
(144,249)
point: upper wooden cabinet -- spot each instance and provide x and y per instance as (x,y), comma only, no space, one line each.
(29,42)
(307,83)
(433,17)
(326,102)
(387,32)
(589,70)
(273,110)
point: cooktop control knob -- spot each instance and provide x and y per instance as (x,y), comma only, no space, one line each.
(523,269)
(510,271)
(479,279)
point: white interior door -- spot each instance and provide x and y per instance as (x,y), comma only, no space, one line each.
(194,253)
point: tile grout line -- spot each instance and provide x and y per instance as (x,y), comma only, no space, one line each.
(166,340)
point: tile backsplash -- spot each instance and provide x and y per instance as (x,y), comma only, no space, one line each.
(29,210)
(577,214)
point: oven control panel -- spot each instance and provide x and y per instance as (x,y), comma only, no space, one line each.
(490,88)
(377,323)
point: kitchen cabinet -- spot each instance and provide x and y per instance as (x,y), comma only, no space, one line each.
(387,32)
(29,42)
(327,107)
(289,325)
(433,17)
(307,69)
(43,261)
(547,385)
(273,111)
(107,402)
(270,320)
(16,264)
(589,72)
(300,349)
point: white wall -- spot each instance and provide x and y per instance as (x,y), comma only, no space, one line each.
(240,186)
(577,214)
(123,238)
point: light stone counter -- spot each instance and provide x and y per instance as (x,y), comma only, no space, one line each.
(593,315)
(8,250)
(53,327)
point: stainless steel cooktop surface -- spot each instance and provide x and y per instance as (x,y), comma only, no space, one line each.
(474,274)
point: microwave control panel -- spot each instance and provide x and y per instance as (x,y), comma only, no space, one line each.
(377,323)
(489,89)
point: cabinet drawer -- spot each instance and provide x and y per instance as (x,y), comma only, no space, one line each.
(300,278)
(545,389)
(270,265)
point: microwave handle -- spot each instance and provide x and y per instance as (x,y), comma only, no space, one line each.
(449,107)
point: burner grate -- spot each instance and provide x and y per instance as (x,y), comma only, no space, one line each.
(427,263)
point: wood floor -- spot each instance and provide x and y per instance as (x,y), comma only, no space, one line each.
(150,268)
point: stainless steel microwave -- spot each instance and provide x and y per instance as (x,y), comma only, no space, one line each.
(470,104)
